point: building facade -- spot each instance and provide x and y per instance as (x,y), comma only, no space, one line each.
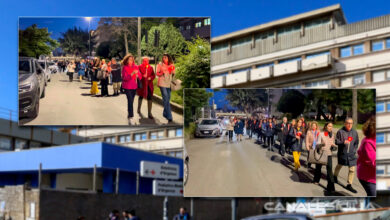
(163,140)
(193,27)
(316,49)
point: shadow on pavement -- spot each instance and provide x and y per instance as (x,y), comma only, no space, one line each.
(85,87)
(86,94)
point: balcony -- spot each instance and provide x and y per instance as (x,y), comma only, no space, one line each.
(261,73)
(316,62)
(286,68)
(237,78)
(217,82)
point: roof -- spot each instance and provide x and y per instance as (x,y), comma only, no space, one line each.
(289,20)
(81,157)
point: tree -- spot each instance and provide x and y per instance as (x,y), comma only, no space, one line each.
(34,41)
(194,68)
(292,102)
(171,41)
(194,99)
(247,100)
(75,41)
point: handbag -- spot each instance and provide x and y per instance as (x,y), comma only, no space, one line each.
(139,83)
(99,74)
(318,156)
(175,84)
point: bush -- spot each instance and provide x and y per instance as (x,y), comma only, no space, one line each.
(189,132)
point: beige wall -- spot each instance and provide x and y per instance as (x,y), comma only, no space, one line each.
(84,181)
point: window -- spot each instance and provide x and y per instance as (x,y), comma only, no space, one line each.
(144,136)
(188,27)
(294,87)
(207,21)
(345,51)
(377,45)
(219,74)
(265,35)
(317,22)
(388,106)
(264,65)
(198,24)
(387,43)
(153,135)
(317,54)
(380,138)
(241,70)
(378,76)
(179,154)
(289,29)
(388,138)
(110,140)
(323,83)
(380,107)
(179,132)
(161,134)
(359,79)
(358,49)
(290,60)
(5,143)
(218,47)
(380,169)
(124,138)
(241,41)
(20,144)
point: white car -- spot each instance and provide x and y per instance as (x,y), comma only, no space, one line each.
(45,66)
(53,67)
(209,128)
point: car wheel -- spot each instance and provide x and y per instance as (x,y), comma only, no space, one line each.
(35,112)
(43,93)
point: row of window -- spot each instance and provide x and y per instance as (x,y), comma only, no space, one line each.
(358,49)
(383,170)
(206,22)
(154,135)
(382,106)
(383,138)
(9,144)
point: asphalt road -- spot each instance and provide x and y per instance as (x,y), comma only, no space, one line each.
(70,103)
(246,169)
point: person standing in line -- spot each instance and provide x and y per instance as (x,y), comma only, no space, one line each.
(270,126)
(130,74)
(239,129)
(252,125)
(116,76)
(288,141)
(366,163)
(132,215)
(347,140)
(283,129)
(94,80)
(146,92)
(165,72)
(263,131)
(71,67)
(327,138)
(104,80)
(230,128)
(297,136)
(311,139)
(82,68)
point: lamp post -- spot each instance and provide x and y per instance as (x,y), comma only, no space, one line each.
(89,34)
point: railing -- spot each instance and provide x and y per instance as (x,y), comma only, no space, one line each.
(8,114)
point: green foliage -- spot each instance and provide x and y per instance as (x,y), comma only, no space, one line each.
(292,102)
(171,41)
(194,99)
(366,101)
(194,68)
(189,132)
(34,41)
(247,100)
(75,42)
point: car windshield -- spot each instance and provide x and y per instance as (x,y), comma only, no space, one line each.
(209,122)
(24,66)
(42,64)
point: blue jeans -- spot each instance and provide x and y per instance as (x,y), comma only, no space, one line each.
(166,97)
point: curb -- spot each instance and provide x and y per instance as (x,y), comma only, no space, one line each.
(174,107)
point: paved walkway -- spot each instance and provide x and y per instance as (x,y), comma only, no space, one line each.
(246,169)
(70,103)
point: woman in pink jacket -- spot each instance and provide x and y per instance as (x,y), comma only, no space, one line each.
(366,163)
(129,76)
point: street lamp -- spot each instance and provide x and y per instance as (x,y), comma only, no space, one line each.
(89,34)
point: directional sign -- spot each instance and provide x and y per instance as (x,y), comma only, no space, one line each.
(167,188)
(160,170)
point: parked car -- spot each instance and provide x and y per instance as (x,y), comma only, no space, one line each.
(31,86)
(45,66)
(53,67)
(286,216)
(209,128)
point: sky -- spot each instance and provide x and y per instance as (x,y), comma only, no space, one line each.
(226,16)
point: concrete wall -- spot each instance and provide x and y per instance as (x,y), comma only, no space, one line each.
(84,181)
(19,204)
(70,205)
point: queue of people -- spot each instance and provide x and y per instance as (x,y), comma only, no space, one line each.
(128,78)
(297,136)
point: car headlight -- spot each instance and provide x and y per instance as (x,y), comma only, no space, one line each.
(25,87)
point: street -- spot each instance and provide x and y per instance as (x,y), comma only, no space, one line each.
(246,169)
(70,103)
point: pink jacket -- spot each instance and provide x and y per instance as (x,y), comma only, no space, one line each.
(129,81)
(366,163)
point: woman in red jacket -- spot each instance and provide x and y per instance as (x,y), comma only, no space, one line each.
(146,92)
(129,76)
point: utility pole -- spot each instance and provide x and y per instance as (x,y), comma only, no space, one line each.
(354,106)
(139,40)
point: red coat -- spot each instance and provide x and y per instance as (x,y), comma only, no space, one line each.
(130,81)
(145,82)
